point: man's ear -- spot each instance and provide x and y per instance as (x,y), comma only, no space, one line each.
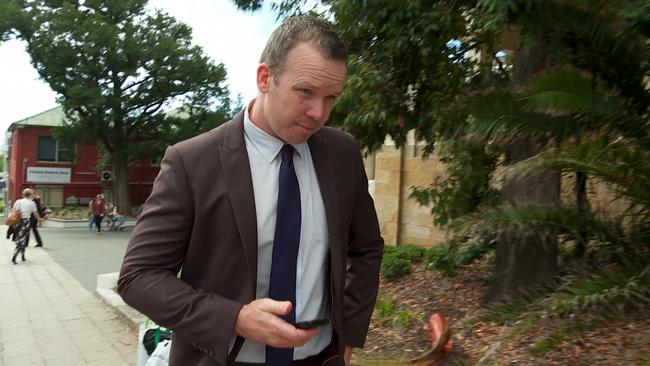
(263,78)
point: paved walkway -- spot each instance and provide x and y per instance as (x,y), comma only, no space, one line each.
(83,254)
(48,318)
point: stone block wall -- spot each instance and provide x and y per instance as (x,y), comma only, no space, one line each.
(404,221)
(395,171)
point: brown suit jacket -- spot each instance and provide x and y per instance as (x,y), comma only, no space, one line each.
(201,217)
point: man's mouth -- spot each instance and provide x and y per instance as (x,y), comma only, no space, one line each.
(308,128)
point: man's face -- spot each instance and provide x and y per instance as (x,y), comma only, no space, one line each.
(298,102)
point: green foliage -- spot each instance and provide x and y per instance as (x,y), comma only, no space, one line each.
(388,311)
(397,260)
(466,185)
(116,69)
(607,293)
(551,341)
(440,258)
(583,101)
(512,310)
(385,308)
(70,213)
(394,266)
(644,360)
(411,252)
(461,250)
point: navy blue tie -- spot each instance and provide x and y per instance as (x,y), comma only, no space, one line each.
(282,286)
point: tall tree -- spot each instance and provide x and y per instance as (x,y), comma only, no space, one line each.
(117,68)
(435,67)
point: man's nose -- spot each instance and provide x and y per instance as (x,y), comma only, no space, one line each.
(316,110)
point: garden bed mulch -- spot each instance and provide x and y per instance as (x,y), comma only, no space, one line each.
(614,342)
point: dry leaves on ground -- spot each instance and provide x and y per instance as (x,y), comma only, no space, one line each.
(615,342)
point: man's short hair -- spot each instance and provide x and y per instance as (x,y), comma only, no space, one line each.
(299,29)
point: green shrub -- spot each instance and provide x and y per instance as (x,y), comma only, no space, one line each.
(394,265)
(397,260)
(388,311)
(411,252)
(440,258)
(461,250)
(385,308)
(405,317)
(388,249)
(70,213)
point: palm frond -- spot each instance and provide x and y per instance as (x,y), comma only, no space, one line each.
(570,92)
(620,166)
(606,292)
(544,218)
(500,115)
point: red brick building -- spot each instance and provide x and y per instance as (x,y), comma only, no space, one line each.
(64,174)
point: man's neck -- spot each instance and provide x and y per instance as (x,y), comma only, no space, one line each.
(256,115)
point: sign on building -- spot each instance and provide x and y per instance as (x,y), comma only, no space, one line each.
(37,174)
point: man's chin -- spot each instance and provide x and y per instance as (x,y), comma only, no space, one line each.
(296,139)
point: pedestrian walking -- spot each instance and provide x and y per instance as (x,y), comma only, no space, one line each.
(27,208)
(98,208)
(33,222)
(91,219)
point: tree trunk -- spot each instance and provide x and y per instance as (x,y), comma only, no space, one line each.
(582,203)
(525,259)
(121,193)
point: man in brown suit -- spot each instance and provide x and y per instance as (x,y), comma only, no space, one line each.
(216,214)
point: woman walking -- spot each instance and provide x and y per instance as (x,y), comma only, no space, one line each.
(27,208)
(98,208)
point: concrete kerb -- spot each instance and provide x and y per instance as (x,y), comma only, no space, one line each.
(106,285)
(66,224)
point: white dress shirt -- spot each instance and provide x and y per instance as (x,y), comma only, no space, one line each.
(312,272)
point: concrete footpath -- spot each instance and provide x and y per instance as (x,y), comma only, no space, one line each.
(47,317)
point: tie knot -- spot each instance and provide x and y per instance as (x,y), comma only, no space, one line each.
(287,152)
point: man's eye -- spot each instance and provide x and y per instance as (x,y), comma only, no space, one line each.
(306,91)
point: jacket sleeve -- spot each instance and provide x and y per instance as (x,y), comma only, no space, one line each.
(148,278)
(364,255)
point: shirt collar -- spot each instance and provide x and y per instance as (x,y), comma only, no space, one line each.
(268,146)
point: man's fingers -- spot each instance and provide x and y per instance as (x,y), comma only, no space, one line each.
(291,336)
(261,321)
(276,307)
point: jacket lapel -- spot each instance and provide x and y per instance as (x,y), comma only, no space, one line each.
(325,172)
(237,176)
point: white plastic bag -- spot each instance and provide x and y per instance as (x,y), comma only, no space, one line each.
(160,356)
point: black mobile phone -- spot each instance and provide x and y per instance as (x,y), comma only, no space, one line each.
(310,324)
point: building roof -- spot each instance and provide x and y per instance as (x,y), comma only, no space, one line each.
(51,118)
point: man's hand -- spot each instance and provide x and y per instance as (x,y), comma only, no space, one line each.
(347,355)
(260,322)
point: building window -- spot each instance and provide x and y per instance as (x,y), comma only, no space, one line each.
(51,196)
(50,149)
